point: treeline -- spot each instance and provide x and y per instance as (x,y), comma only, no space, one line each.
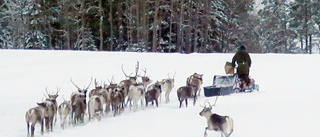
(159,25)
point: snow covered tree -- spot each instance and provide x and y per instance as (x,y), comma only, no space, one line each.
(274,32)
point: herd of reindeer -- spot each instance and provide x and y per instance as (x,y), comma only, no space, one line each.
(114,97)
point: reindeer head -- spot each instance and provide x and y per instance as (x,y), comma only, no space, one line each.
(206,111)
(133,79)
(198,76)
(85,90)
(97,86)
(157,85)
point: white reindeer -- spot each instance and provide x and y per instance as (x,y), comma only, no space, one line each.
(222,124)
(195,79)
(95,107)
(166,86)
(65,110)
(136,93)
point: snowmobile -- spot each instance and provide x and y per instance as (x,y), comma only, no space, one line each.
(228,84)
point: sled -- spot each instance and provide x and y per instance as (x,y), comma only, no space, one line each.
(222,85)
(228,84)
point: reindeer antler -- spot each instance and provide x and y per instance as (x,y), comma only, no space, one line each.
(145,71)
(58,90)
(74,84)
(46,92)
(89,84)
(173,74)
(137,69)
(210,106)
(215,101)
(123,71)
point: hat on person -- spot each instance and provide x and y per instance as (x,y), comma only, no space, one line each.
(242,48)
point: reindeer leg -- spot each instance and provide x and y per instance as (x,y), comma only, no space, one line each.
(28,127)
(156,102)
(63,121)
(47,123)
(167,97)
(32,130)
(186,102)
(41,123)
(205,132)
(180,104)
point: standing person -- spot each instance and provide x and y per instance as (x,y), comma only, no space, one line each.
(244,63)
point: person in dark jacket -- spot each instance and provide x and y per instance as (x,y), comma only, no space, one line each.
(244,63)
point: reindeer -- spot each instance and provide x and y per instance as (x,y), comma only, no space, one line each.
(136,93)
(95,107)
(222,124)
(186,92)
(53,98)
(80,91)
(153,94)
(35,115)
(116,100)
(49,114)
(195,79)
(166,85)
(79,103)
(65,110)
(125,84)
(97,89)
(78,109)
(106,96)
(145,79)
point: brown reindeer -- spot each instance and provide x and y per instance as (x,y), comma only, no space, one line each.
(79,103)
(186,92)
(125,84)
(116,100)
(222,124)
(97,89)
(35,115)
(195,79)
(52,97)
(145,79)
(153,94)
(78,109)
(49,114)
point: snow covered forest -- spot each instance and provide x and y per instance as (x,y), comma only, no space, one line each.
(185,26)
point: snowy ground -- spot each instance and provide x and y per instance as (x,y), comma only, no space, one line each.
(287,104)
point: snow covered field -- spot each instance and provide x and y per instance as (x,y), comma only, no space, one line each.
(287,105)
